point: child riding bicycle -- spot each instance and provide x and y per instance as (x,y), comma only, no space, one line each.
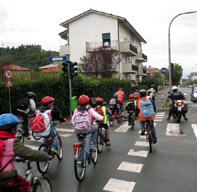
(12,147)
(83,117)
(102,110)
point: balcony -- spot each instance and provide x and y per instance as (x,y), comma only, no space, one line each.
(126,47)
(92,46)
(129,68)
(141,57)
(64,50)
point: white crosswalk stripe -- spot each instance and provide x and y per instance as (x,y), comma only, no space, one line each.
(139,153)
(130,167)
(173,129)
(194,127)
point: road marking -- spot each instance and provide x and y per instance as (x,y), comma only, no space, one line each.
(160,113)
(131,167)
(173,129)
(123,128)
(65,130)
(158,120)
(65,135)
(140,153)
(194,127)
(141,143)
(116,185)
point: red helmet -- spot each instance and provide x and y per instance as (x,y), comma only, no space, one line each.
(99,99)
(131,96)
(47,99)
(83,100)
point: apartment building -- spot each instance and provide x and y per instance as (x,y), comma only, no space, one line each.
(92,29)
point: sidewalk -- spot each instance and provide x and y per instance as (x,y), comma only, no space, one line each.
(161,97)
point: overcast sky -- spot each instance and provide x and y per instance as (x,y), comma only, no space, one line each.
(38,22)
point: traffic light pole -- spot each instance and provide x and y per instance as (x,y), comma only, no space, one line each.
(70,86)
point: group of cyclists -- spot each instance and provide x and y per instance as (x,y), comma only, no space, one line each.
(97,116)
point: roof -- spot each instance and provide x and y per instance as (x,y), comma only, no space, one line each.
(19,68)
(120,19)
(49,66)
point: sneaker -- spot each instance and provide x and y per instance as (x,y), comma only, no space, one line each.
(54,151)
(108,143)
(186,119)
(154,141)
(142,132)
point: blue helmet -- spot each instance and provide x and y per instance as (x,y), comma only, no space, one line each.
(115,95)
(7,119)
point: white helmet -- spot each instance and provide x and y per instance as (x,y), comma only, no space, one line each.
(174,88)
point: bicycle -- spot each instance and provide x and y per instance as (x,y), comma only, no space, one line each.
(20,133)
(46,146)
(81,160)
(131,119)
(116,115)
(39,183)
(148,134)
(101,139)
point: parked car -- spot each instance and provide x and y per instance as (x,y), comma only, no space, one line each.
(194,94)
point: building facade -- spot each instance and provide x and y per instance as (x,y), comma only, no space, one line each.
(93,29)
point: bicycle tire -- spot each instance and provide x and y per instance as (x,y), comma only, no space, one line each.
(80,164)
(42,185)
(36,138)
(149,138)
(100,141)
(60,149)
(94,154)
(132,122)
(43,166)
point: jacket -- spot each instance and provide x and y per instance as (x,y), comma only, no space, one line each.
(139,112)
(121,96)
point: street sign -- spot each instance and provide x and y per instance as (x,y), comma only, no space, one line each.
(9,84)
(7,72)
(163,70)
(57,59)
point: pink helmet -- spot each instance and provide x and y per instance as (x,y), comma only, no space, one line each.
(47,99)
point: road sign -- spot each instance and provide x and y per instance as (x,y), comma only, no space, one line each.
(163,70)
(9,84)
(8,74)
(57,59)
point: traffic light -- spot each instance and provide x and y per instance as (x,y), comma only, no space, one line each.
(65,69)
(73,69)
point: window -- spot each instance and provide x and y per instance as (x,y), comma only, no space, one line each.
(106,40)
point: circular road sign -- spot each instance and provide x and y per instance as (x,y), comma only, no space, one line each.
(8,74)
(163,70)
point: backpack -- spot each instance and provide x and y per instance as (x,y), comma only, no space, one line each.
(41,122)
(23,104)
(99,110)
(112,101)
(2,148)
(147,108)
(130,106)
(82,121)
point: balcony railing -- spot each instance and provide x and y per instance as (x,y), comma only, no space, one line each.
(141,57)
(127,47)
(92,46)
(129,68)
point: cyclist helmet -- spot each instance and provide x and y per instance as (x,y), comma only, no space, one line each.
(115,95)
(99,100)
(8,121)
(142,93)
(174,88)
(83,100)
(47,100)
(131,96)
(31,94)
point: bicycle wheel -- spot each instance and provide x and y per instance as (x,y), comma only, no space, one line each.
(132,122)
(35,137)
(94,154)
(149,137)
(60,149)
(43,166)
(42,185)
(100,141)
(19,135)
(119,117)
(80,164)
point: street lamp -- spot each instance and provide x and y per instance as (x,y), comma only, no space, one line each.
(169,46)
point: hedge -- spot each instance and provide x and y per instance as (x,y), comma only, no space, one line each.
(57,86)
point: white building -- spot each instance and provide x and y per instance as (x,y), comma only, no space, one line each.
(93,29)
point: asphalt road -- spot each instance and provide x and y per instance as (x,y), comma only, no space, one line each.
(127,166)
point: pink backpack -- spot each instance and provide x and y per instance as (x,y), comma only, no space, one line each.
(7,158)
(82,121)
